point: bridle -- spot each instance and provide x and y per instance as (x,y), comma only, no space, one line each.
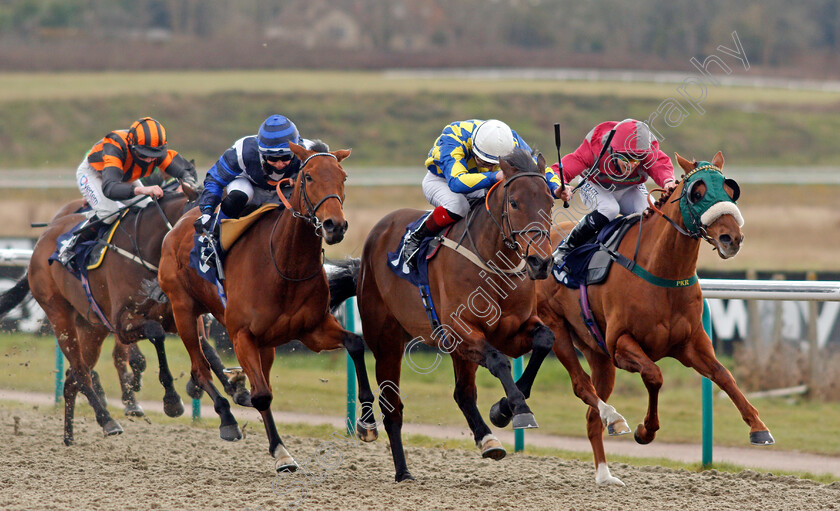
(509,238)
(310,215)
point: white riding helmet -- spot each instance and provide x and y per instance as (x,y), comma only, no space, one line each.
(491,140)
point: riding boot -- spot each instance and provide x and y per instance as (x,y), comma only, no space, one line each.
(435,222)
(87,233)
(585,230)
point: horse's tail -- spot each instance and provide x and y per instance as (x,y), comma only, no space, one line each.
(11,298)
(342,276)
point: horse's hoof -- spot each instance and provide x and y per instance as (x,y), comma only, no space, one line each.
(404,476)
(69,441)
(762,438)
(604,478)
(618,427)
(286,465)
(366,431)
(173,406)
(243,398)
(524,421)
(639,438)
(193,390)
(112,427)
(492,448)
(230,433)
(134,410)
(499,418)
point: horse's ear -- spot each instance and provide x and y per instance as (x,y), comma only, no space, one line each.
(505,166)
(717,161)
(541,162)
(686,165)
(299,151)
(340,155)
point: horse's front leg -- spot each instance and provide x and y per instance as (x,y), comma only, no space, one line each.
(466,396)
(630,357)
(541,339)
(256,362)
(478,350)
(329,335)
(700,355)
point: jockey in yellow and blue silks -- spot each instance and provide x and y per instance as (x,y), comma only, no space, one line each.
(463,164)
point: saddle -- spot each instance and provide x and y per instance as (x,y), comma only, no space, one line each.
(590,263)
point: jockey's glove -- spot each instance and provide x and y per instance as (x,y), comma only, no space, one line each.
(202,223)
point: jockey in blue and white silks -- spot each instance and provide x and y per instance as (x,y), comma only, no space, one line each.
(250,169)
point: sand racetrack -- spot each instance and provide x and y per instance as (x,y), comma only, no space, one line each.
(179,467)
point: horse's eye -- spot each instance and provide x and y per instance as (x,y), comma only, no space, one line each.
(514,204)
(308,178)
(696,196)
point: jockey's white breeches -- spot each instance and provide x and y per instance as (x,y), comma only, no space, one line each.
(89,182)
(437,192)
(612,202)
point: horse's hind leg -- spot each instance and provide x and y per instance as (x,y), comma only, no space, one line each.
(70,391)
(630,357)
(699,354)
(465,395)
(172,404)
(366,424)
(200,376)
(234,388)
(541,339)
(121,356)
(82,359)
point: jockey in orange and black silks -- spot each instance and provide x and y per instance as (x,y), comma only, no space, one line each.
(110,172)
(615,184)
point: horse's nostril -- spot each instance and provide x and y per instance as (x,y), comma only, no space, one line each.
(329,225)
(725,238)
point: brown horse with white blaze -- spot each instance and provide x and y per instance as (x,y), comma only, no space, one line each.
(276,290)
(654,310)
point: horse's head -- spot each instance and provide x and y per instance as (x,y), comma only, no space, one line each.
(707,204)
(319,190)
(525,210)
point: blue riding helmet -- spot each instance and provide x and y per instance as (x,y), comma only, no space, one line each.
(274,136)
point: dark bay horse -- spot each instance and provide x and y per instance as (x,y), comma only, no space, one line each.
(123,288)
(276,290)
(488,308)
(644,319)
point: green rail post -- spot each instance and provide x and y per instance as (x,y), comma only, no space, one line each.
(708,414)
(350,324)
(196,409)
(518,434)
(59,373)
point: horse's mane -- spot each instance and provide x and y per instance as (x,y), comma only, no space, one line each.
(664,197)
(319,146)
(521,160)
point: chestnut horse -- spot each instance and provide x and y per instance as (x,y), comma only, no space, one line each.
(124,290)
(655,311)
(491,302)
(276,290)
